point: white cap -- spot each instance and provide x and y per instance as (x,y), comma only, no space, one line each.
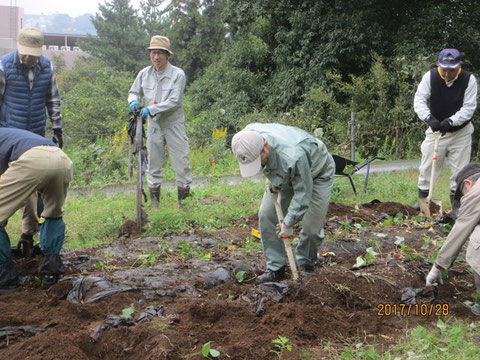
(247,145)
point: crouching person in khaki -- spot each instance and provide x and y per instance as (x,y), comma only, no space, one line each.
(466,227)
(30,163)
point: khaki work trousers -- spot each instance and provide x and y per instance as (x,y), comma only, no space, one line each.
(457,146)
(44,169)
(175,137)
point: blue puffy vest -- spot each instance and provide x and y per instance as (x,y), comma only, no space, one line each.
(23,108)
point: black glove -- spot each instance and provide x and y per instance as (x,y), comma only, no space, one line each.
(25,245)
(57,137)
(433,123)
(445,126)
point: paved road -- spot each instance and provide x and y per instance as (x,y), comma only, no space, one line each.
(375,166)
(387,166)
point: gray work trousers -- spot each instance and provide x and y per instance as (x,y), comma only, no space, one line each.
(456,145)
(175,137)
(312,234)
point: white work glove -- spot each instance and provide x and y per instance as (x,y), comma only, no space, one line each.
(271,187)
(434,277)
(283,230)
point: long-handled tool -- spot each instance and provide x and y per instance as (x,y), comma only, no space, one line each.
(428,207)
(288,243)
(136,135)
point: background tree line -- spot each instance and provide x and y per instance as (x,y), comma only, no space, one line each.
(308,63)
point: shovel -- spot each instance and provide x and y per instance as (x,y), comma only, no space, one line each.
(288,243)
(428,207)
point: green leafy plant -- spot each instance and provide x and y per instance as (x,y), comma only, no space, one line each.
(280,344)
(148,259)
(128,312)
(445,228)
(204,256)
(208,352)
(240,276)
(185,249)
(368,258)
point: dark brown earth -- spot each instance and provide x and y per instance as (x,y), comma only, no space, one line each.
(337,303)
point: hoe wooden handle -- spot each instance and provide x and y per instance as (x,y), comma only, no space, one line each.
(288,243)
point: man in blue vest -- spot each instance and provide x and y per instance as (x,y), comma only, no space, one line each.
(31,163)
(28,86)
(446,99)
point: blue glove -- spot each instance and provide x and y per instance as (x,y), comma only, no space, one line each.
(134,105)
(145,112)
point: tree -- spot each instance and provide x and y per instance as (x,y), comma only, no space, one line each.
(196,32)
(152,14)
(120,40)
(94,99)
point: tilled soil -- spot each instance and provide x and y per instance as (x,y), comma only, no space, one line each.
(193,278)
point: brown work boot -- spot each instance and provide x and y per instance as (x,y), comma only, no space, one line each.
(154,197)
(183,193)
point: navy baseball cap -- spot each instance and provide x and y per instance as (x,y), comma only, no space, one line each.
(449,59)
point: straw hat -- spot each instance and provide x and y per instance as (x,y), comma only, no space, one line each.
(158,42)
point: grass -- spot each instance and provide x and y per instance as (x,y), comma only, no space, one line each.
(93,220)
(456,341)
(395,186)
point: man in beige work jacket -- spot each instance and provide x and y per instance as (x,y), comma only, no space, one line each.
(466,226)
(162,85)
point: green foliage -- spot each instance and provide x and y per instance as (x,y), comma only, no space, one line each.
(307,64)
(368,258)
(280,344)
(458,340)
(151,16)
(59,63)
(149,259)
(93,101)
(196,31)
(93,220)
(128,312)
(104,161)
(208,351)
(210,208)
(230,87)
(218,147)
(240,276)
(381,99)
(120,40)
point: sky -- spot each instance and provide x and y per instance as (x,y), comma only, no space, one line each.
(73,8)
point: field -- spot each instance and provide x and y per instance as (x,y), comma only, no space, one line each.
(198,286)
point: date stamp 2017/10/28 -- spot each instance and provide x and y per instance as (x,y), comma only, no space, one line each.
(413,309)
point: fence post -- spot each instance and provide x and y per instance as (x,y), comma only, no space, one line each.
(130,162)
(352,135)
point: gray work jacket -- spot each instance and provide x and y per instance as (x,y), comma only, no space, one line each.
(296,158)
(466,226)
(163,93)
